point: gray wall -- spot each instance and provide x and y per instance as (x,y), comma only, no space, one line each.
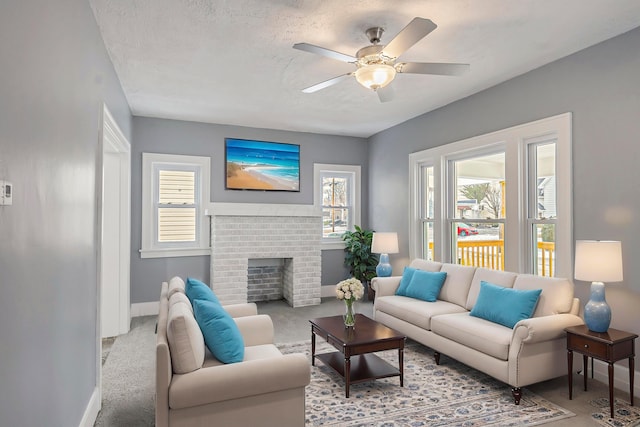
(190,138)
(55,75)
(599,85)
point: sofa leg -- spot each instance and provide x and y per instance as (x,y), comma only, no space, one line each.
(436,356)
(517,394)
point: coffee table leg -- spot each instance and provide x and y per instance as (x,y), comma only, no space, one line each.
(313,348)
(570,372)
(401,363)
(347,375)
(631,375)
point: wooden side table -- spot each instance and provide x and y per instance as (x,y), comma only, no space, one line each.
(609,347)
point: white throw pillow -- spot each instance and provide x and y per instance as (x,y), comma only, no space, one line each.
(176,284)
(186,342)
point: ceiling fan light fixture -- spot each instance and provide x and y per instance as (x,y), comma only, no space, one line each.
(375,76)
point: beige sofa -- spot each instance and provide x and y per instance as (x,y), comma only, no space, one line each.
(533,351)
(266,389)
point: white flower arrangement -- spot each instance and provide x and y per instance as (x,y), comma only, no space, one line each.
(349,290)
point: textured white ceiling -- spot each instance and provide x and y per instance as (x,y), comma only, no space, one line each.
(232,62)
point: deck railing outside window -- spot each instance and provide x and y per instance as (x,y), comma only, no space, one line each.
(490,254)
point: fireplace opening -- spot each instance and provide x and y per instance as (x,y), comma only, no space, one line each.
(267,278)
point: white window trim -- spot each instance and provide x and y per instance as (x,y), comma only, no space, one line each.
(515,141)
(320,168)
(149,247)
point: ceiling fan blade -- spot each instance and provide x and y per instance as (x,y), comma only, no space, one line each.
(324,52)
(326,83)
(441,69)
(386,94)
(408,36)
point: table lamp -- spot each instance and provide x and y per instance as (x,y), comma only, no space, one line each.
(598,261)
(384,244)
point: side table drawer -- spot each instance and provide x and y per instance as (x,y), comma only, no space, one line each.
(587,346)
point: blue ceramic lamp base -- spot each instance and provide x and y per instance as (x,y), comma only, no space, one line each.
(383,269)
(597,313)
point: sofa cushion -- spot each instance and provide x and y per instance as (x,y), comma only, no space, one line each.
(185,339)
(415,311)
(426,265)
(176,284)
(556,297)
(407,275)
(195,289)
(505,306)
(497,277)
(255,352)
(221,334)
(456,287)
(487,337)
(179,297)
(425,285)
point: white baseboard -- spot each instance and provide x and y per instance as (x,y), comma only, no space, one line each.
(145,309)
(620,375)
(92,410)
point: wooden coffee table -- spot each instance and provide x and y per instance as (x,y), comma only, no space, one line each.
(354,359)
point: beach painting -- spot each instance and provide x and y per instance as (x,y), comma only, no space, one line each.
(260,165)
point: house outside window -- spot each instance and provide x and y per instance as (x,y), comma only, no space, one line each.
(174,190)
(337,194)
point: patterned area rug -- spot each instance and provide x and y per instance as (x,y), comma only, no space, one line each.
(625,414)
(450,394)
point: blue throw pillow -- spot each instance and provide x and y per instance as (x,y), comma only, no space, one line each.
(195,289)
(221,334)
(426,285)
(407,274)
(505,306)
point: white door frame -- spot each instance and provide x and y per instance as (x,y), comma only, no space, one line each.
(113,142)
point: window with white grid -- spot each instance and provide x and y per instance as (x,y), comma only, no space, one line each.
(173,217)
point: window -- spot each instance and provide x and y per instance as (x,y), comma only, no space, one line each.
(337,193)
(501,200)
(541,206)
(427,215)
(476,216)
(174,189)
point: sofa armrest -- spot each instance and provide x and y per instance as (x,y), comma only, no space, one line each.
(238,380)
(256,330)
(545,328)
(240,310)
(385,285)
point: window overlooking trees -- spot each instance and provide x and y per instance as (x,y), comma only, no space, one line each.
(337,193)
(478,216)
(501,200)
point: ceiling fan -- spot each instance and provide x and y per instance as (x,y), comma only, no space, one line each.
(376,64)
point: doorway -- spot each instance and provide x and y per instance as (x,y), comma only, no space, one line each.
(115,226)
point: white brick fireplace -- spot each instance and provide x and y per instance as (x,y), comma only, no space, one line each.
(244,231)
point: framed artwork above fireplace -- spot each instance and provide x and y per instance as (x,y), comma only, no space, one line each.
(261,165)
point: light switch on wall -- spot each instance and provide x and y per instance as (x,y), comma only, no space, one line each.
(6,193)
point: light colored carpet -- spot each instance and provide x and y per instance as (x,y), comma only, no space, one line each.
(128,383)
(433,395)
(128,378)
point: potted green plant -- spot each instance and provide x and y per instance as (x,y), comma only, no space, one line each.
(358,257)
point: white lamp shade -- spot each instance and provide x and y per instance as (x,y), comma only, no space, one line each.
(598,261)
(385,243)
